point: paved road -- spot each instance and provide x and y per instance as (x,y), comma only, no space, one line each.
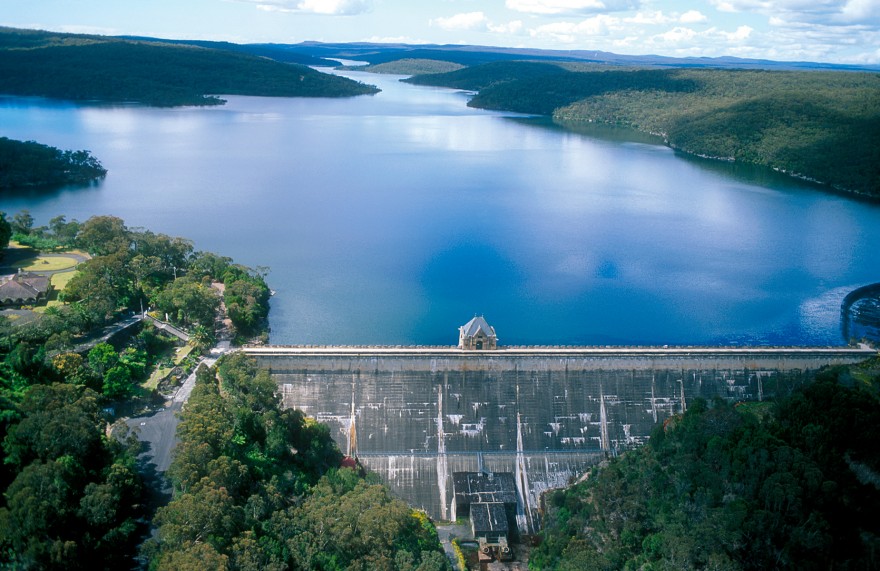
(107,332)
(158,431)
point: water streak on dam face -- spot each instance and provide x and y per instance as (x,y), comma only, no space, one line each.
(416,416)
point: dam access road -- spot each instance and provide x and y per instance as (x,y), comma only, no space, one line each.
(417,415)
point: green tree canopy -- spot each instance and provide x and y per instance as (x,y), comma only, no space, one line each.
(5,231)
(75,498)
(104,235)
(250,492)
(758,486)
(189,302)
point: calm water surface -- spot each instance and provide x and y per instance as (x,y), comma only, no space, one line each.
(395,218)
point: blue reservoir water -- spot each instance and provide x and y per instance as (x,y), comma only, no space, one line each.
(394,218)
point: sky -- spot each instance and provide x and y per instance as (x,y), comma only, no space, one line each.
(834,31)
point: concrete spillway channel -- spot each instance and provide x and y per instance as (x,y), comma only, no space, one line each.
(418,415)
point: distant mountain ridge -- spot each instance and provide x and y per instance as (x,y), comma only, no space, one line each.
(327,54)
(375,53)
(279,52)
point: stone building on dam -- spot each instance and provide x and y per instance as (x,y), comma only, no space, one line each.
(418,415)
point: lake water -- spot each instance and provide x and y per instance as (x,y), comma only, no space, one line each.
(395,218)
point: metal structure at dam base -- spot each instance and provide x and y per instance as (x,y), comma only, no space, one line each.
(417,415)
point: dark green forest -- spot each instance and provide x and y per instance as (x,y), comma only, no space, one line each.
(480,77)
(72,496)
(410,67)
(257,487)
(128,270)
(787,485)
(819,125)
(96,68)
(32,165)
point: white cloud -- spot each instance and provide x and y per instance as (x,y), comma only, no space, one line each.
(827,12)
(570,32)
(676,35)
(799,30)
(555,7)
(816,42)
(744,42)
(723,6)
(742,33)
(476,21)
(327,7)
(692,17)
(650,18)
(466,21)
(513,28)
(864,11)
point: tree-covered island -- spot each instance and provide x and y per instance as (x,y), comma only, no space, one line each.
(32,165)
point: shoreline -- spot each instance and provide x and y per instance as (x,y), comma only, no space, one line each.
(561,120)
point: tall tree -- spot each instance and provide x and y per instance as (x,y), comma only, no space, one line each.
(5,232)
(104,235)
(22,222)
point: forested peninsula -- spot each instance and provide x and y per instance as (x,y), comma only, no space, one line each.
(97,68)
(822,126)
(255,486)
(32,165)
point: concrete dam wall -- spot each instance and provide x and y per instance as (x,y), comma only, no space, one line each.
(417,415)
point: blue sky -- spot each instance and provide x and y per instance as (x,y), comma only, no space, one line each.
(839,31)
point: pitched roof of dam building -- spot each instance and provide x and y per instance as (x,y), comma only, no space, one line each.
(477,334)
(477,324)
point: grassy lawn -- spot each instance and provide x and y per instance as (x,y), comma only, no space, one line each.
(59,280)
(47,263)
(17,256)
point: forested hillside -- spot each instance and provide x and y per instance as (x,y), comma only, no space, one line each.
(257,487)
(30,164)
(409,66)
(85,68)
(484,76)
(791,485)
(72,496)
(823,126)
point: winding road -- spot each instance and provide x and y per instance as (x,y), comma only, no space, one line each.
(157,430)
